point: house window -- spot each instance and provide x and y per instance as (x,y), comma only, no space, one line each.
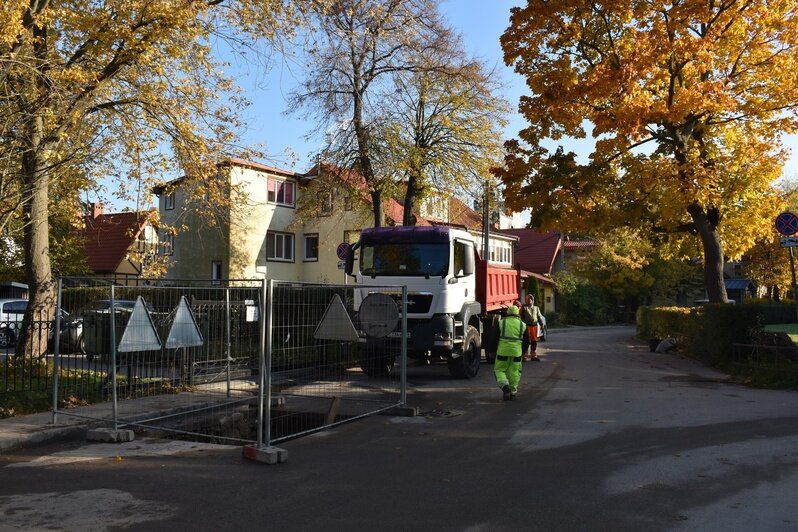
(501,252)
(351,237)
(280,246)
(167,243)
(169,201)
(311,247)
(326,202)
(348,202)
(216,271)
(434,207)
(281,192)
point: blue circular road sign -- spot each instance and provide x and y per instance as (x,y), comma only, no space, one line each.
(343,249)
(787,223)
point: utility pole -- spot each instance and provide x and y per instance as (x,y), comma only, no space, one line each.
(486,221)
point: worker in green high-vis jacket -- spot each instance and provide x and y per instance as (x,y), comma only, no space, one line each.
(507,367)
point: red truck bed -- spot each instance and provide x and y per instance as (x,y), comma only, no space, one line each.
(496,287)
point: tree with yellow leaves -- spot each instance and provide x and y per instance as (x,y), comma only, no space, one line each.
(90,88)
(688,101)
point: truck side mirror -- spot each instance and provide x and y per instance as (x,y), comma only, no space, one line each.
(350,258)
(468,267)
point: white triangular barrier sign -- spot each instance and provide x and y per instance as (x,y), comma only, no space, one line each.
(140,333)
(336,324)
(184,332)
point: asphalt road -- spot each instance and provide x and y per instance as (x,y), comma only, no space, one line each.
(604,436)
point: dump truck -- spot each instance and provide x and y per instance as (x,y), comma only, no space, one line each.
(454,297)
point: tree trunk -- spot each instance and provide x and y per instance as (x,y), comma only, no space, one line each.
(32,341)
(379,215)
(706,223)
(36,324)
(411,196)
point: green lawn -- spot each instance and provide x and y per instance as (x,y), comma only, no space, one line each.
(790,328)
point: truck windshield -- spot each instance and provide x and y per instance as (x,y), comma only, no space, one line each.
(405,259)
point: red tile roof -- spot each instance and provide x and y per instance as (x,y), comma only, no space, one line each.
(536,252)
(108,237)
(542,279)
(579,244)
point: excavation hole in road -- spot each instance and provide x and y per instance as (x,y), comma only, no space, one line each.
(239,425)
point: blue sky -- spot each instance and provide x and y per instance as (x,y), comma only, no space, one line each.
(480,22)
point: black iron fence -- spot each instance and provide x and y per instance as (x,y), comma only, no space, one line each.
(240,361)
(27,340)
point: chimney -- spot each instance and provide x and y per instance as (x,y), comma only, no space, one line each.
(96,209)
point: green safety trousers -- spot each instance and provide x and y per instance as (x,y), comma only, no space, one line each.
(507,367)
(508,371)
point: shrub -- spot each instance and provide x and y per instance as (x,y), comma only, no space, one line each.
(708,333)
(586,305)
(554,319)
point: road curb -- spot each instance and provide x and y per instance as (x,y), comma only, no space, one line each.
(38,436)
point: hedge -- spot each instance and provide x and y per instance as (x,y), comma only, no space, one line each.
(708,333)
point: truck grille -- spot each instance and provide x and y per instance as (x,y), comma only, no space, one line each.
(418,303)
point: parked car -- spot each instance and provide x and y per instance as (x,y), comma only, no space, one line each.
(96,324)
(13,310)
(542,330)
(11,313)
(71,337)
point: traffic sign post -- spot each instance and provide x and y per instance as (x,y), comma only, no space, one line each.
(792,271)
(787,226)
(342,251)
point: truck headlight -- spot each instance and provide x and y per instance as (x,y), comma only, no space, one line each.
(443,339)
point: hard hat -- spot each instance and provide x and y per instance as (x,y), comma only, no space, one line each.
(512,310)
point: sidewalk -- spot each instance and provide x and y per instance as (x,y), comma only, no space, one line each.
(34,429)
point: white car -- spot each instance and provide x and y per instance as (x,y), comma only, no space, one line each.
(11,313)
(13,310)
(542,328)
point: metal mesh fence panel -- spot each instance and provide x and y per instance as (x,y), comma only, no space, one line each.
(325,369)
(231,362)
(186,352)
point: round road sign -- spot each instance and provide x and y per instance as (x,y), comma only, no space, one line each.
(342,250)
(787,223)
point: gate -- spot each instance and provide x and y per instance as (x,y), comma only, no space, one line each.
(241,361)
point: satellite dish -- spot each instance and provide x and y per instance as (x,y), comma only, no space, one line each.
(378,315)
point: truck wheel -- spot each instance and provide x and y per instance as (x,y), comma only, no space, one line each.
(377,366)
(466,366)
